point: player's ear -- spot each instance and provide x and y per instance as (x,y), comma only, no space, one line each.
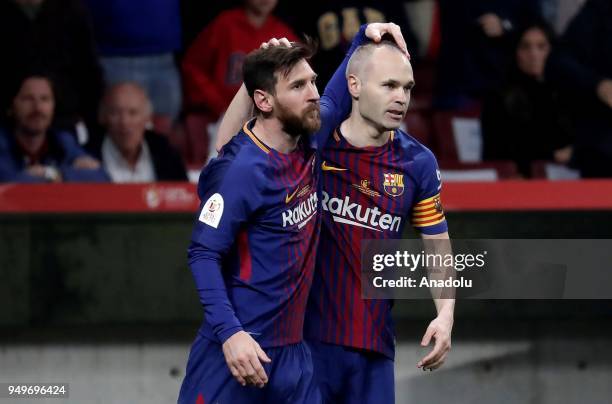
(263,101)
(354,85)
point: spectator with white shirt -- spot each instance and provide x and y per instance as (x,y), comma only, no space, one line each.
(128,150)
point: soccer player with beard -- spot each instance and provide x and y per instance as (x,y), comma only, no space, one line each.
(252,247)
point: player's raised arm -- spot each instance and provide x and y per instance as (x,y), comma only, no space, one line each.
(229,195)
(239,111)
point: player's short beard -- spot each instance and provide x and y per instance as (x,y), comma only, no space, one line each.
(307,123)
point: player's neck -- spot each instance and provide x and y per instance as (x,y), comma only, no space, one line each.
(360,132)
(270,131)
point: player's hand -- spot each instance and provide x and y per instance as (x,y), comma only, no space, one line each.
(491,25)
(376,30)
(604,92)
(244,356)
(86,162)
(276,42)
(440,330)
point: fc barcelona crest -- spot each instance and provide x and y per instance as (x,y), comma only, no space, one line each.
(393,184)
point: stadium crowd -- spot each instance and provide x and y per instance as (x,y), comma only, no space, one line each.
(132,91)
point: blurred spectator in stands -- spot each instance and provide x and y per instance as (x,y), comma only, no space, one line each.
(527,120)
(476,46)
(130,152)
(212,67)
(54,36)
(137,41)
(335,23)
(31,151)
(583,67)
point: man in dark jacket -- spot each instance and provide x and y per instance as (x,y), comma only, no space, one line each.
(130,152)
(583,66)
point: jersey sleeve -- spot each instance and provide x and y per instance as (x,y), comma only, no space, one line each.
(230,195)
(427,212)
(336,101)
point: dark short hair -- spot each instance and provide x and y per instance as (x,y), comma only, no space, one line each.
(15,87)
(262,65)
(33,74)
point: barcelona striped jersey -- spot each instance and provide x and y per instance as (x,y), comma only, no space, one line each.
(259,220)
(367,193)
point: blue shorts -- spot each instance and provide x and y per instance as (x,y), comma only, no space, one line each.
(208,379)
(348,375)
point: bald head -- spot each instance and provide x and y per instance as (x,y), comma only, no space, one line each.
(126,90)
(359,62)
(126,112)
(380,81)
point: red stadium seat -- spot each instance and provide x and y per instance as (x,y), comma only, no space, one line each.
(485,171)
(196,131)
(444,139)
(422,95)
(538,169)
(418,126)
(542,169)
(178,139)
(162,124)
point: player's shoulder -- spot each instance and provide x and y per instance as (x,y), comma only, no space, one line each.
(413,150)
(240,159)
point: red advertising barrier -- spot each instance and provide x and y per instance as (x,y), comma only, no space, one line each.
(182,197)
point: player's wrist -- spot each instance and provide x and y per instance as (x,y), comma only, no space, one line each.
(447,311)
(227,334)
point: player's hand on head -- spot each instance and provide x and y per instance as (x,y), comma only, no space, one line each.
(375,31)
(276,42)
(440,331)
(243,356)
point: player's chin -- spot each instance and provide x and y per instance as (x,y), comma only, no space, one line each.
(312,122)
(392,120)
(391,124)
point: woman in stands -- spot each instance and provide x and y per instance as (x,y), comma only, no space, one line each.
(526,119)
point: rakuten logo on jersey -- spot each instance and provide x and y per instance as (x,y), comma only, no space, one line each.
(302,213)
(343,211)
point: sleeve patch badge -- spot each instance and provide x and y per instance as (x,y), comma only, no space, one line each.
(212,211)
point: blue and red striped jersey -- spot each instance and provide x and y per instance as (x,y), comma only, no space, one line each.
(367,193)
(253,246)
(252,251)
